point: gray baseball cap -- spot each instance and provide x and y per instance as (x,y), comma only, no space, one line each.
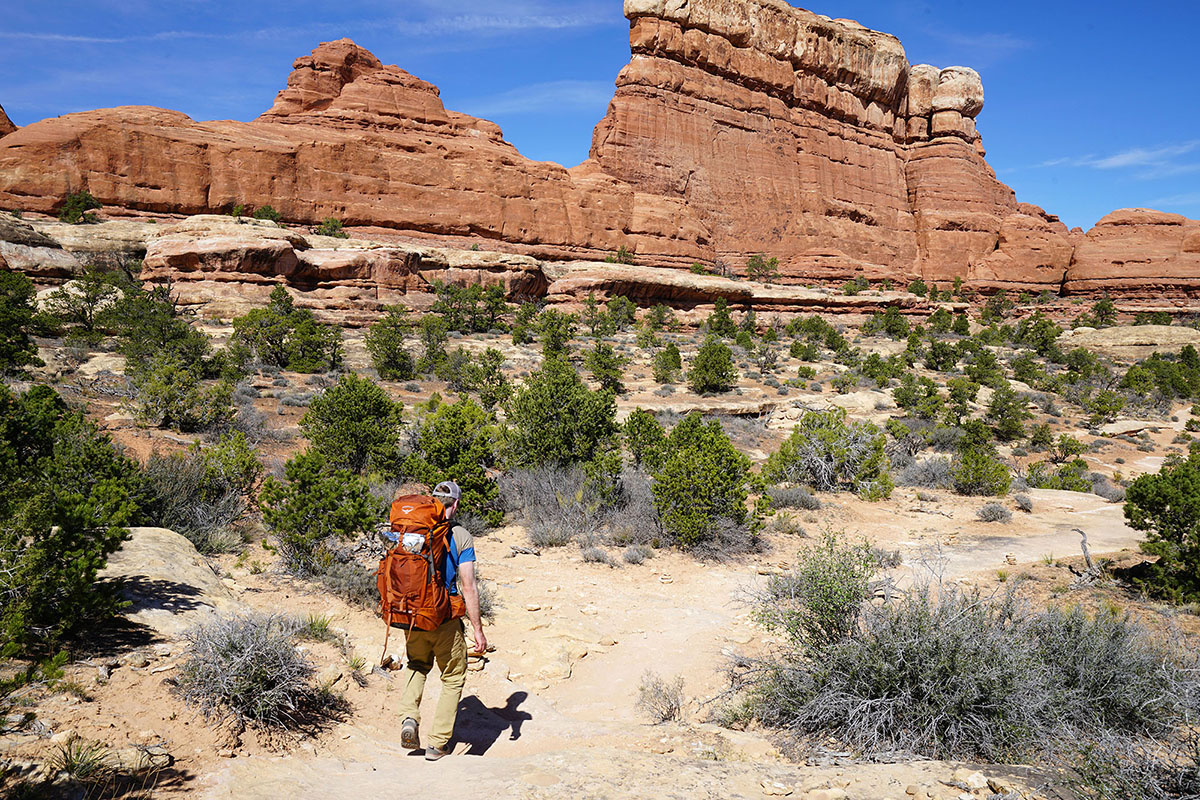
(447,489)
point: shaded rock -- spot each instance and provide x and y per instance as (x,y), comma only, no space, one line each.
(6,124)
(170,585)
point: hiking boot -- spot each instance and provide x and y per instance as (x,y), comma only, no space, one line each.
(408,735)
(434,753)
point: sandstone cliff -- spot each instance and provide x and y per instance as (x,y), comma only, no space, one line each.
(6,124)
(738,127)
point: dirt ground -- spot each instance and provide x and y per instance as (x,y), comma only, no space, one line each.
(552,712)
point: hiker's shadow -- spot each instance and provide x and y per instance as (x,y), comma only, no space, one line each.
(480,726)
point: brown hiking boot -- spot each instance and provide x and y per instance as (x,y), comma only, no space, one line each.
(409,739)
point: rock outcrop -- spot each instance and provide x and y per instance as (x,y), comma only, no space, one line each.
(170,587)
(1138,253)
(6,124)
(738,127)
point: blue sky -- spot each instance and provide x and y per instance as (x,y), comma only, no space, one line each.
(1091,106)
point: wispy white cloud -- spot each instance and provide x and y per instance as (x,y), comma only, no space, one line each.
(1160,161)
(1186,199)
(500,23)
(540,97)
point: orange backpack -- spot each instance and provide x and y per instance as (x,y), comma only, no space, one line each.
(411,577)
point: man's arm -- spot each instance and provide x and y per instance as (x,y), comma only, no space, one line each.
(470,593)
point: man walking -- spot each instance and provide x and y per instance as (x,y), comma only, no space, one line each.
(446,645)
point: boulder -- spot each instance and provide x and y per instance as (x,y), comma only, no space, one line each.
(170,586)
(1138,253)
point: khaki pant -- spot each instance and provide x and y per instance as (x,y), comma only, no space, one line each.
(449,647)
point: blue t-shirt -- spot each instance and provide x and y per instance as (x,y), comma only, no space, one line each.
(461,550)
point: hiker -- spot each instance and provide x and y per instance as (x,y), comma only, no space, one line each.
(446,644)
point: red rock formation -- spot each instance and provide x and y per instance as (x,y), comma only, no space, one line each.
(1136,252)
(738,127)
(6,124)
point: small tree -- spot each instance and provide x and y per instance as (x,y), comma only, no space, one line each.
(762,269)
(1167,506)
(354,425)
(668,363)
(18,305)
(69,495)
(720,322)
(977,468)
(555,420)
(458,442)
(385,343)
(1007,413)
(433,332)
(84,302)
(268,213)
(645,439)
(606,367)
(76,208)
(168,394)
(523,323)
(621,311)
(331,226)
(712,370)
(313,504)
(702,482)
(918,288)
(963,392)
(555,329)
(830,454)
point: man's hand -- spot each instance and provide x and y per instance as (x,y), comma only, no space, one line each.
(470,591)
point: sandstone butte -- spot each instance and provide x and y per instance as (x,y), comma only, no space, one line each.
(738,127)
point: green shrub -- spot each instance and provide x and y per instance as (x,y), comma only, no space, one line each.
(598,322)
(312,505)
(720,322)
(354,425)
(963,392)
(918,396)
(151,328)
(434,332)
(762,269)
(961,325)
(1167,506)
(668,363)
(830,454)
(997,307)
(891,322)
(622,256)
(84,302)
(1070,477)
(1007,412)
(712,370)
(69,495)
(622,311)
(918,288)
(701,485)
(523,323)
(169,394)
(268,213)
(331,226)
(940,321)
(385,343)
(458,442)
(1103,407)
(555,330)
(284,336)
(606,367)
(76,207)
(818,603)
(18,306)
(645,439)
(856,286)
(470,309)
(977,468)
(555,420)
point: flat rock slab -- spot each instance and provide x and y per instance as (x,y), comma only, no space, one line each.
(170,585)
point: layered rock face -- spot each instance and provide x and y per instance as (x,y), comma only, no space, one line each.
(1140,253)
(738,127)
(6,124)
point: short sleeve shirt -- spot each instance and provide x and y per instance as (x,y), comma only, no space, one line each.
(460,551)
